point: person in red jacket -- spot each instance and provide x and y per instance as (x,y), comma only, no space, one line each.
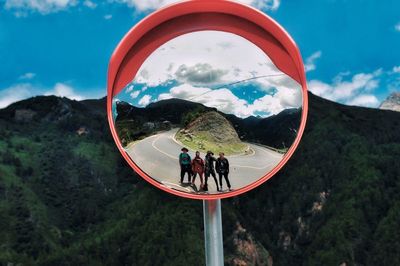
(198,168)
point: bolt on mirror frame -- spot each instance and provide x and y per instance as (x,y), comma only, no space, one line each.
(198,15)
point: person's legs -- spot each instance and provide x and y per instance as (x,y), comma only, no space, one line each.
(215,179)
(194,177)
(227,180)
(220,180)
(207,174)
(189,173)
(201,180)
(183,171)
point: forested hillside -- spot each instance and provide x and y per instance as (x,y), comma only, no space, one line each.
(68,198)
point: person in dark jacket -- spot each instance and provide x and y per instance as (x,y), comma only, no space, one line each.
(209,169)
(198,168)
(222,167)
(185,163)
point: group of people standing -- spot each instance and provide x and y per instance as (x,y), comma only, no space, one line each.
(200,167)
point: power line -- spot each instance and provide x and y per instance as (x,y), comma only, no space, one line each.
(244,80)
(236,82)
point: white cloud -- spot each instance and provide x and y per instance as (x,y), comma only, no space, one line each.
(367,100)
(135,94)
(27,76)
(222,99)
(23,91)
(200,73)
(89,4)
(222,59)
(44,7)
(144,5)
(348,91)
(15,93)
(397,27)
(22,7)
(145,100)
(310,61)
(393,80)
(63,90)
(108,17)
(264,4)
(129,88)
(225,101)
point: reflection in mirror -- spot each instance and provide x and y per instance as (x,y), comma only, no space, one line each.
(208,112)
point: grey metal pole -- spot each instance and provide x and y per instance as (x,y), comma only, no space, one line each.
(213,233)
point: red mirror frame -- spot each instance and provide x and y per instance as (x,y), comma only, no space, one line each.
(199,15)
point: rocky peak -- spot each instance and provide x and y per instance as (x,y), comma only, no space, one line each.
(392,102)
(247,251)
(219,128)
(212,131)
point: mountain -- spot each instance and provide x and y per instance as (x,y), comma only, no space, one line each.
(278,131)
(216,125)
(392,102)
(133,123)
(70,199)
(211,131)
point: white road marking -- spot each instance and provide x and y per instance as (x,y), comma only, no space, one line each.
(172,136)
(175,185)
(132,144)
(169,155)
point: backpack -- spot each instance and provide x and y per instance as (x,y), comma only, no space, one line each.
(185,158)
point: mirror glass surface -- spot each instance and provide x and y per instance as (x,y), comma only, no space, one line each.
(214,93)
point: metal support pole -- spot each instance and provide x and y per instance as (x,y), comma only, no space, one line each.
(213,232)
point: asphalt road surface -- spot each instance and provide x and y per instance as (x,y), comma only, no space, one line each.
(158,155)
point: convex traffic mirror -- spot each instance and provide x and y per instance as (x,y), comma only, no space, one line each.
(207,104)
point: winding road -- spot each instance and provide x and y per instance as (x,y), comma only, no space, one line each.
(157,155)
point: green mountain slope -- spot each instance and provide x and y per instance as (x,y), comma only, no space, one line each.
(68,198)
(278,131)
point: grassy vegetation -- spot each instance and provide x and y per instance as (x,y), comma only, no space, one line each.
(203,142)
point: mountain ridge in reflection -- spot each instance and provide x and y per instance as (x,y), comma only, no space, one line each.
(133,123)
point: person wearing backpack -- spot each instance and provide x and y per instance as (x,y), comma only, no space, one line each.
(185,164)
(209,169)
(222,167)
(198,168)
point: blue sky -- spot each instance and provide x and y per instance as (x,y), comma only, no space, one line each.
(62,47)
